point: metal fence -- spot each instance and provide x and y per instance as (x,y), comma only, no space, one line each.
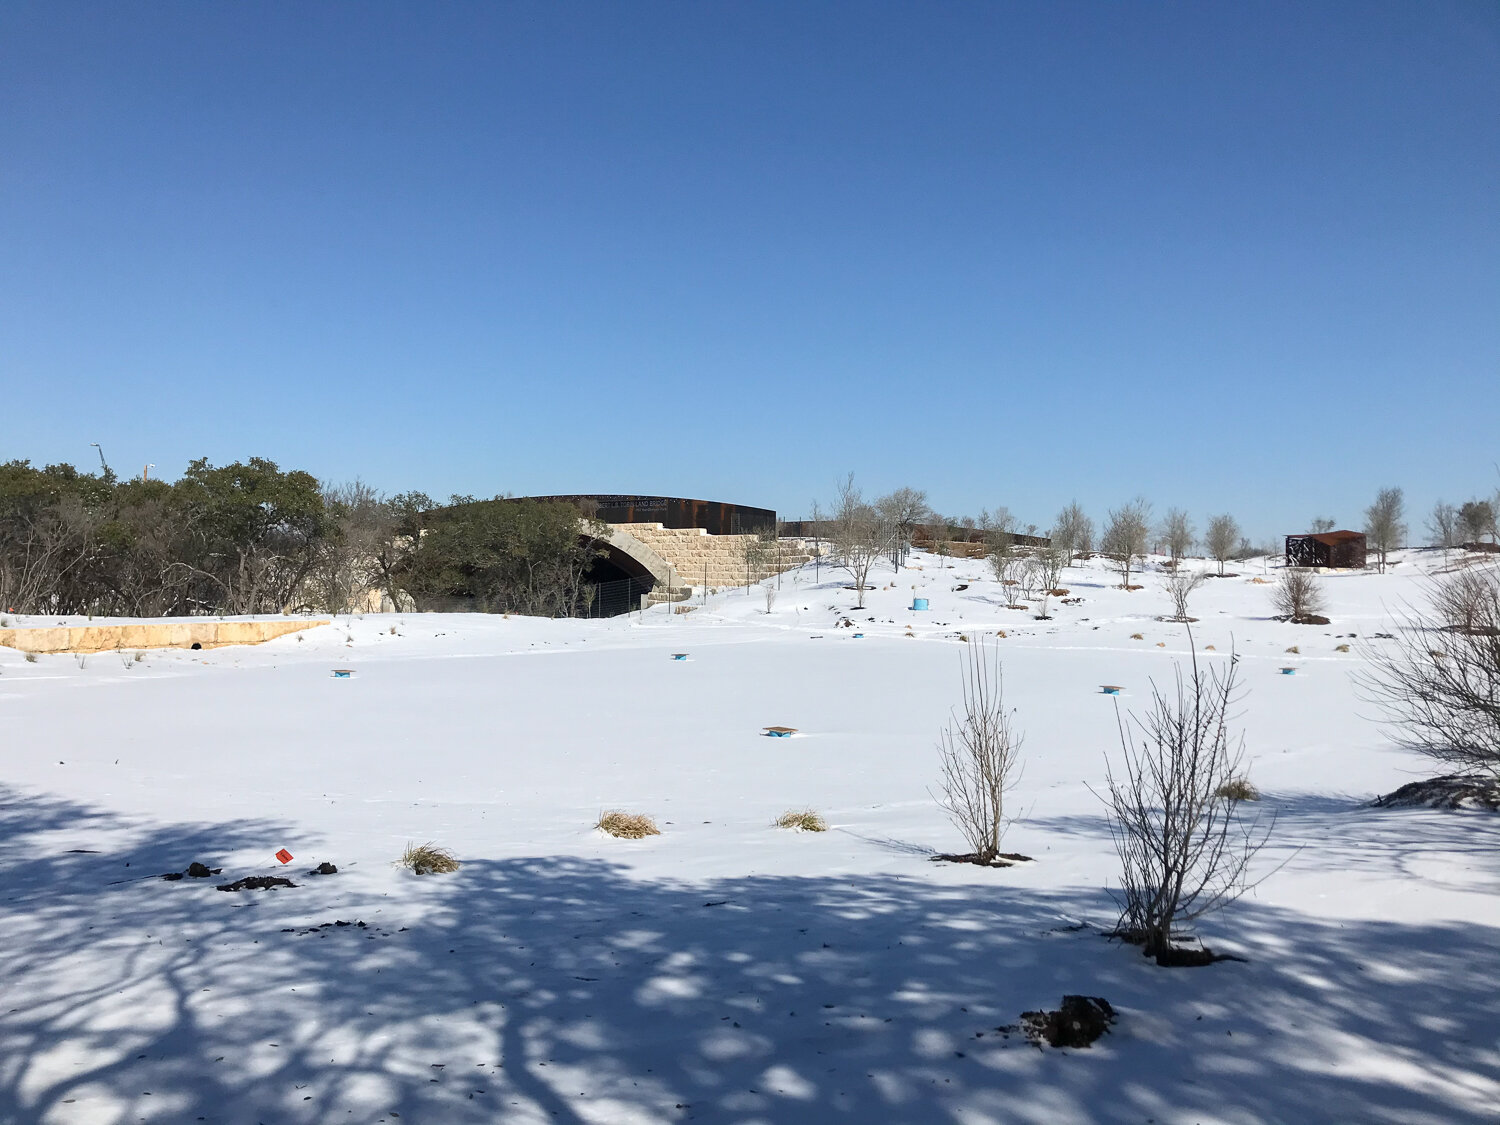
(620,596)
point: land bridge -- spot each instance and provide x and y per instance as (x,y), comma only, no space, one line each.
(663,547)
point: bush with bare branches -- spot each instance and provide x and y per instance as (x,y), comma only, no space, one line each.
(1180,583)
(1298,597)
(979,752)
(1438,682)
(1185,850)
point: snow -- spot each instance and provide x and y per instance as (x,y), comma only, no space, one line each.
(725,971)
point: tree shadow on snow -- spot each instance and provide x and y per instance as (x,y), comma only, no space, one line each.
(562,989)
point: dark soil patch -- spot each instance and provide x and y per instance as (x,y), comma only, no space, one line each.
(326,868)
(257,883)
(1004,859)
(1211,574)
(327,928)
(1080,1021)
(1454,791)
(1179,957)
(195,870)
(1176,956)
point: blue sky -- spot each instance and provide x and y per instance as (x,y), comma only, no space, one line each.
(1238,257)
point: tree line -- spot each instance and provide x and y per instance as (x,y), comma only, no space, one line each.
(250,538)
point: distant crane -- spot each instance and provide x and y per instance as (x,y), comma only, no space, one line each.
(102,462)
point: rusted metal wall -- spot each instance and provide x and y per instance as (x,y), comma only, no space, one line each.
(715,517)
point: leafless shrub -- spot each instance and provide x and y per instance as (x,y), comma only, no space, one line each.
(804,820)
(1460,599)
(428,859)
(979,752)
(1180,584)
(1005,562)
(1438,684)
(628,826)
(31,658)
(1298,596)
(1184,850)
(770,596)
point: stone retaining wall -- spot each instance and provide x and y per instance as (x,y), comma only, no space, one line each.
(205,633)
(718,560)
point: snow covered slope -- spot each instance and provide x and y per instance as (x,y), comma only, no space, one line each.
(726,970)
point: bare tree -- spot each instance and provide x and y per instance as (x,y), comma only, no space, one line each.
(904,510)
(1438,682)
(859,536)
(346,568)
(1321,524)
(1177,533)
(1442,525)
(757,551)
(1049,562)
(1222,539)
(1383,526)
(1185,849)
(1180,584)
(1074,532)
(979,753)
(1125,537)
(1298,597)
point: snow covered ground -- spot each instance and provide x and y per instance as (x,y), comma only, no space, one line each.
(725,971)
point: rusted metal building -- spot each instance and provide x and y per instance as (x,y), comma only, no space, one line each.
(1341,549)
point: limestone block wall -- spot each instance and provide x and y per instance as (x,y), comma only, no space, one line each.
(204,632)
(718,560)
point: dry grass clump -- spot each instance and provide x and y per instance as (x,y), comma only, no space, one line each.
(1238,789)
(428,859)
(628,826)
(805,820)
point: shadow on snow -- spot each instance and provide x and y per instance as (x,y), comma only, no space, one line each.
(561,989)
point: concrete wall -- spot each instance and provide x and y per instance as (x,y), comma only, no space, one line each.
(205,632)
